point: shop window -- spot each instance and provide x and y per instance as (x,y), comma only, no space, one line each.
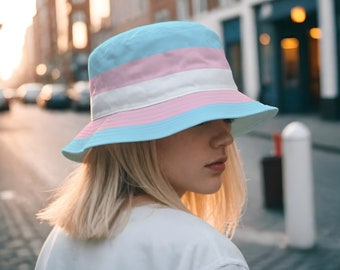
(291,58)
(232,42)
(235,63)
(266,63)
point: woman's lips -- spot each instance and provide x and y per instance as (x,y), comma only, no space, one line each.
(218,165)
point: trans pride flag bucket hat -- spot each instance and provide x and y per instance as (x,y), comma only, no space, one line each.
(159,79)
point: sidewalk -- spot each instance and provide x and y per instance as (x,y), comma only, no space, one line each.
(261,236)
(325,134)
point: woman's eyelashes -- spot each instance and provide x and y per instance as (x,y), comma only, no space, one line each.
(227,121)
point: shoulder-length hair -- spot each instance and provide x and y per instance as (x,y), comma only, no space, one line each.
(97,197)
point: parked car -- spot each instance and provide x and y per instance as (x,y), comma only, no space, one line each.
(10,93)
(53,96)
(28,92)
(4,101)
(79,95)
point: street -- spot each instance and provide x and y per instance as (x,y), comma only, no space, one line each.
(36,136)
(31,165)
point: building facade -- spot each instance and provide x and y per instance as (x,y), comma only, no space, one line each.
(78,38)
(283,52)
(62,40)
(45,37)
(292,63)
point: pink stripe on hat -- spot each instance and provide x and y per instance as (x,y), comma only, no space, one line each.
(163,110)
(158,65)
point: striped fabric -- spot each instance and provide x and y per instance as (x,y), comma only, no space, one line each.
(156,80)
(150,40)
(161,89)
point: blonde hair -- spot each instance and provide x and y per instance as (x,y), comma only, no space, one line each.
(224,208)
(96,199)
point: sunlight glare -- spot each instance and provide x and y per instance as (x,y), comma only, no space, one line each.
(12,34)
(99,9)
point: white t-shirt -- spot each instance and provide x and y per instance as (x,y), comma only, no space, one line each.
(155,238)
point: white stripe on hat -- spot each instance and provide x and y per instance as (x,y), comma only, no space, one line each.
(161,89)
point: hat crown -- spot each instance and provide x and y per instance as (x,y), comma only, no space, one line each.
(149,40)
(154,63)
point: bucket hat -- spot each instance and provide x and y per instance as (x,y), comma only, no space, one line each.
(156,80)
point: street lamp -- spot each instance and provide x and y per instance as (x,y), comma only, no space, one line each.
(315,33)
(41,70)
(298,14)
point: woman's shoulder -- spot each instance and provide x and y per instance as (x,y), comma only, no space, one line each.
(161,218)
(156,237)
(173,223)
(171,229)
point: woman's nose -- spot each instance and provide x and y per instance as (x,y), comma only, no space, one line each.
(222,134)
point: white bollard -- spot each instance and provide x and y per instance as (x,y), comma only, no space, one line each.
(298,186)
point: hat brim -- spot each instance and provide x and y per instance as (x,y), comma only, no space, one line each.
(155,122)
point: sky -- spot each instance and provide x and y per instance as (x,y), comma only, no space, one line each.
(15,17)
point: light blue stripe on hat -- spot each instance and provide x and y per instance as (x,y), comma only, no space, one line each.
(125,47)
(254,113)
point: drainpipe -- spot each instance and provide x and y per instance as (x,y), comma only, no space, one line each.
(250,66)
(328,60)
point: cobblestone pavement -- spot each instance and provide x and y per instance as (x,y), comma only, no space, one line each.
(21,236)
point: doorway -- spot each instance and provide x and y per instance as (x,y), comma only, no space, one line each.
(298,70)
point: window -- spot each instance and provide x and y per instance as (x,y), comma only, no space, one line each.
(162,15)
(79,30)
(200,6)
(290,60)
(77,1)
(183,10)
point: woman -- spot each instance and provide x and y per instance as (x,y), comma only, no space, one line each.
(158,161)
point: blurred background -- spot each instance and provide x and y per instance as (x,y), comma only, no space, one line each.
(283,52)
